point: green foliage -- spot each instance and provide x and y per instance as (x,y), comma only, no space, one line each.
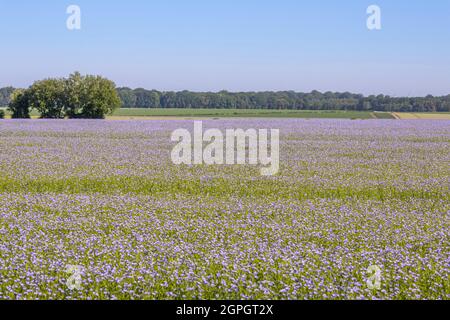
(76,97)
(127,96)
(283,100)
(249,113)
(48,98)
(77,86)
(19,105)
(90,97)
(2,114)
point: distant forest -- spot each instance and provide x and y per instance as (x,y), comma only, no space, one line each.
(288,100)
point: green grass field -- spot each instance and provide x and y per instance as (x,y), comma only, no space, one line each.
(220,113)
(133,113)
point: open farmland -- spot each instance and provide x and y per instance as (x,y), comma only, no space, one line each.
(257,113)
(171,113)
(422,116)
(104,195)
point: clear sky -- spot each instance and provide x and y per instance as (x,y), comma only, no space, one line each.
(236,45)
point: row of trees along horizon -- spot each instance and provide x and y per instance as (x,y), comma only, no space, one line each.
(94,97)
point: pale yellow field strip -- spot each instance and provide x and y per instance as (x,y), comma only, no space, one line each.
(421,116)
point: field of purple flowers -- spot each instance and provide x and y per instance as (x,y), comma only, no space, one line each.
(104,196)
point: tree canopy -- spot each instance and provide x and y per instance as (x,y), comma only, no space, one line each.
(315,100)
(94,97)
(19,104)
(78,96)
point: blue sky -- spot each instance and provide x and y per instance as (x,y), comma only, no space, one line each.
(236,45)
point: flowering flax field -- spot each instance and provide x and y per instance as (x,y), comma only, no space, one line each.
(105,196)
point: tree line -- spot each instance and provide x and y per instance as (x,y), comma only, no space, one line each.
(289,100)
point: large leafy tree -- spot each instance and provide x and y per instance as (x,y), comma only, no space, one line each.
(90,97)
(48,98)
(75,97)
(20,105)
